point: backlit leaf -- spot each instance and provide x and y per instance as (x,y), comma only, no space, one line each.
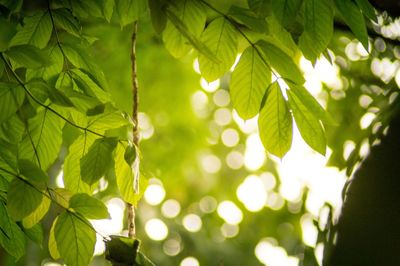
(27,56)
(275,123)
(89,207)
(52,244)
(130,10)
(158,16)
(309,126)
(75,239)
(65,20)
(221,37)
(11,98)
(286,10)
(318,28)
(38,214)
(250,79)
(35,233)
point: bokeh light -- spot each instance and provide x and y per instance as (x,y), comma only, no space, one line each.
(156,229)
(228,211)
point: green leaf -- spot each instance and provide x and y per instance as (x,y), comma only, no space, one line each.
(61,196)
(52,244)
(122,250)
(286,10)
(107,121)
(249,82)
(54,54)
(142,260)
(75,239)
(130,154)
(107,9)
(248,18)
(97,160)
(186,20)
(89,86)
(58,97)
(87,7)
(11,98)
(89,207)
(22,199)
(27,56)
(312,104)
(36,31)
(125,177)
(64,19)
(281,62)
(72,173)
(309,126)
(275,123)
(158,16)
(130,10)
(367,9)
(44,139)
(221,38)
(354,19)
(318,28)
(260,7)
(12,238)
(12,130)
(38,214)
(35,233)
(32,172)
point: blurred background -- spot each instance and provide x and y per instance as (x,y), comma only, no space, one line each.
(214,196)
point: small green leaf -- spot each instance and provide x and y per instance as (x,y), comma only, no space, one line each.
(27,56)
(281,61)
(66,21)
(36,31)
(286,10)
(122,250)
(107,121)
(61,196)
(309,126)
(97,160)
(130,10)
(11,98)
(22,199)
(354,19)
(249,82)
(275,123)
(318,28)
(89,207)
(12,238)
(367,9)
(107,9)
(158,16)
(221,38)
(75,238)
(130,154)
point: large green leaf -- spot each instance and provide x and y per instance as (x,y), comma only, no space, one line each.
(89,86)
(281,62)
(367,9)
(130,10)
(286,10)
(27,56)
(38,214)
(22,199)
(89,207)
(318,28)
(72,173)
(248,18)
(106,121)
(36,31)
(52,244)
(11,98)
(64,19)
(12,238)
(221,37)
(75,239)
(44,139)
(309,126)
(96,162)
(32,173)
(188,17)
(354,19)
(158,16)
(250,80)
(275,123)
(48,72)
(35,233)
(125,177)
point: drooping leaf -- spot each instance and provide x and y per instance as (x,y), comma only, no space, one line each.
(36,31)
(158,16)
(275,123)
(312,104)
(11,98)
(27,56)
(367,9)
(186,20)
(286,10)
(309,126)
(354,19)
(35,233)
(37,215)
(125,177)
(95,163)
(75,239)
(281,62)
(52,244)
(221,37)
(122,250)
(318,28)
(72,172)
(250,79)
(12,238)
(107,9)
(64,19)
(130,10)
(22,199)
(89,207)
(44,139)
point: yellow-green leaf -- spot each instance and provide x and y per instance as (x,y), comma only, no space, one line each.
(89,207)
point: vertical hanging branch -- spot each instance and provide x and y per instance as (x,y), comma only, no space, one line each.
(135,95)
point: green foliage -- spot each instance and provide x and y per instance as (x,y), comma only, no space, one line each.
(89,207)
